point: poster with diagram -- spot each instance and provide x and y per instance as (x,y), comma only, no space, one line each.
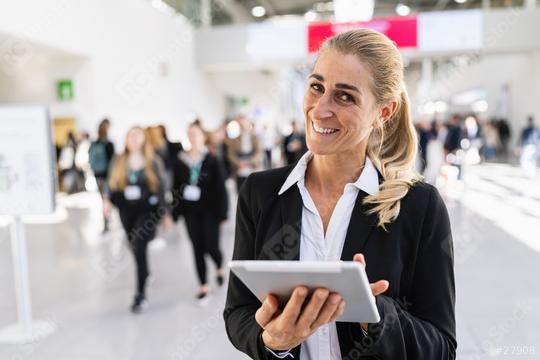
(27,166)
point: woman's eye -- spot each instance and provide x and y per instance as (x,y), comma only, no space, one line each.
(316,87)
(344,97)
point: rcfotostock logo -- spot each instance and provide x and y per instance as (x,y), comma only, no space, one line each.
(14,54)
(136,83)
(142,77)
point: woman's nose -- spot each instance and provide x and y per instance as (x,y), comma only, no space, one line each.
(323,108)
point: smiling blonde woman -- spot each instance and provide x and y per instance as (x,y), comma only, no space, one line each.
(354,196)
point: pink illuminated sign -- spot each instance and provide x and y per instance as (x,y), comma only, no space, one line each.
(401,30)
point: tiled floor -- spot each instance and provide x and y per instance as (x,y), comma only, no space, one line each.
(84,283)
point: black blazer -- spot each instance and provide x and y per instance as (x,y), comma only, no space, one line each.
(415,256)
(214,198)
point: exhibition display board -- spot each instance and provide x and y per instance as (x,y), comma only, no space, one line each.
(27,187)
(27,168)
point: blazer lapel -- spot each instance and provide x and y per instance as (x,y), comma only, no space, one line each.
(360,228)
(291,217)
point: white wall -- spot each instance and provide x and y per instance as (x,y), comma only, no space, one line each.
(137,64)
(258,44)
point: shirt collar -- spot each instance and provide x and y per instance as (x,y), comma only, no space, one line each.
(368,180)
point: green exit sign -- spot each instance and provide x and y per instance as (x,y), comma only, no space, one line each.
(64,90)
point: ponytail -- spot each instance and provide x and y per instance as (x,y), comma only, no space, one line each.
(392,148)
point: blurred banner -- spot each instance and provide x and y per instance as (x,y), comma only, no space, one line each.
(402,30)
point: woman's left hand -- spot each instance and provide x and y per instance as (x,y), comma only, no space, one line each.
(377,288)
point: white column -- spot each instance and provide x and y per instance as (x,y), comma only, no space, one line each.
(20,269)
(530,4)
(426,81)
(26,330)
(206,13)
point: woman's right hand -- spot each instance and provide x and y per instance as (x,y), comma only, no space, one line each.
(284,330)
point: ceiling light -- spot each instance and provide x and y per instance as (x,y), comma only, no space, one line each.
(461,1)
(258,11)
(310,16)
(404,10)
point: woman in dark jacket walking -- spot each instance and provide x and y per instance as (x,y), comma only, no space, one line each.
(201,197)
(136,188)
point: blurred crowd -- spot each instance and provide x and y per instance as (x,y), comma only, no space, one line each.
(240,146)
(153,181)
(463,139)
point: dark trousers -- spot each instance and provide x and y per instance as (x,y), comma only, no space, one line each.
(140,229)
(203,230)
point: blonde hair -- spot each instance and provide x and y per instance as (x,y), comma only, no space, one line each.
(392,145)
(155,135)
(119,172)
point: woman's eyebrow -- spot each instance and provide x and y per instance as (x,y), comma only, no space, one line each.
(338,85)
(347,87)
(317,76)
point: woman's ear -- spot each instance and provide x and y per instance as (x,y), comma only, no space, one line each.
(388,110)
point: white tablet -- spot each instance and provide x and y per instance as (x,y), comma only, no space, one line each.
(279,278)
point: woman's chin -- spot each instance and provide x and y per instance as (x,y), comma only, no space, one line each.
(320,149)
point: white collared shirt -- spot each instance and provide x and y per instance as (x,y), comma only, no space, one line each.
(315,246)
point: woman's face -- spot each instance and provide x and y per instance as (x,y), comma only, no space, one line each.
(135,140)
(339,106)
(196,137)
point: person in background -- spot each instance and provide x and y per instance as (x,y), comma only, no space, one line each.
(528,147)
(244,152)
(294,144)
(472,132)
(454,135)
(471,129)
(136,188)
(424,136)
(504,136)
(452,144)
(100,155)
(435,152)
(72,178)
(159,144)
(81,155)
(217,146)
(491,140)
(173,148)
(199,178)
(268,141)
(434,128)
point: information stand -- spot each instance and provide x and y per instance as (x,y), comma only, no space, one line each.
(27,187)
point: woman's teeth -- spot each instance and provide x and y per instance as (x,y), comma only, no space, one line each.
(321,130)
